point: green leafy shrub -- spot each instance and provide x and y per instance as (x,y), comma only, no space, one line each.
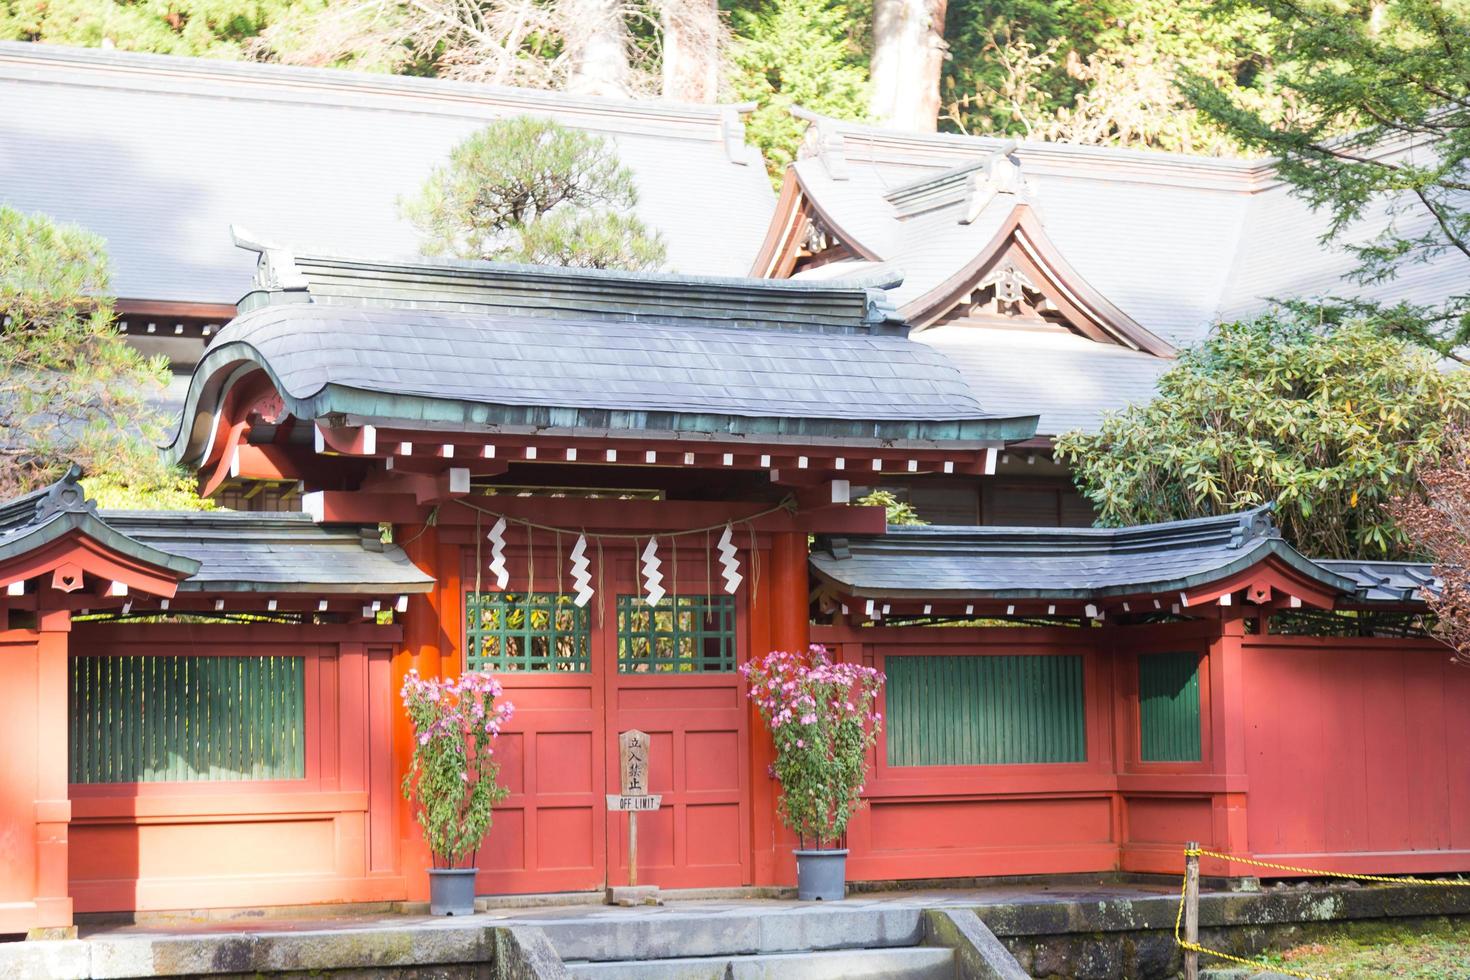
(1327,420)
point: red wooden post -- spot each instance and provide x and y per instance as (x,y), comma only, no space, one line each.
(421,650)
(790,620)
(1230,718)
(53,808)
(788,628)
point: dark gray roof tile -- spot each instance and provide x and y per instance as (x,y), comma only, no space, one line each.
(1059,563)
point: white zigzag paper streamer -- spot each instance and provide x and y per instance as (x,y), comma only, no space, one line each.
(497,555)
(581,577)
(653,580)
(729,563)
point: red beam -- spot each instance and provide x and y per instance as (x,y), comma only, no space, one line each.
(348,507)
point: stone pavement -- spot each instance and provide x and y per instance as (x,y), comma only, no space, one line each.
(592,935)
(1062,928)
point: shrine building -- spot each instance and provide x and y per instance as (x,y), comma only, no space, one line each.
(611,489)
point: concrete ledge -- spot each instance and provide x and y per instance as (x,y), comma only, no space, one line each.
(675,934)
(978,954)
(1318,903)
(466,949)
(64,959)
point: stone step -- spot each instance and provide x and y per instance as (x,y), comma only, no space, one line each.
(666,933)
(902,963)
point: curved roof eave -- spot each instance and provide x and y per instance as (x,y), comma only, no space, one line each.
(1258,553)
(208,382)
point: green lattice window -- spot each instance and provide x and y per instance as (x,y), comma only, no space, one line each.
(985,711)
(187,719)
(1168,707)
(515,631)
(681,635)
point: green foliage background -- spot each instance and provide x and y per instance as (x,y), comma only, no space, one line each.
(1328,420)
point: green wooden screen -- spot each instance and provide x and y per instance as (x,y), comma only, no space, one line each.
(187,719)
(985,711)
(1168,707)
(682,634)
(514,631)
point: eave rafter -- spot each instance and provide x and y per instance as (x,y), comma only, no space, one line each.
(253,441)
(1020,256)
(491,453)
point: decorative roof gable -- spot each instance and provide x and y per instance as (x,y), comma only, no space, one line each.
(970,235)
(1020,279)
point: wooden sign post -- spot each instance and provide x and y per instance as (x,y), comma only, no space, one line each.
(633,748)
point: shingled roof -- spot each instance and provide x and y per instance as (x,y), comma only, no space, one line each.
(33,520)
(160,155)
(216,551)
(1002,563)
(479,345)
(274,553)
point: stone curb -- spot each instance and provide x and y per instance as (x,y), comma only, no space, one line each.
(113,958)
(978,954)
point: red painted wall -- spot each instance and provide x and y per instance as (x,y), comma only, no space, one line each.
(33,806)
(1335,754)
(1356,754)
(960,821)
(330,837)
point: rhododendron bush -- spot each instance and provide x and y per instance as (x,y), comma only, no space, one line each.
(823,718)
(452,779)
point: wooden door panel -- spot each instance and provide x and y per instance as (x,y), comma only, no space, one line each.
(547,833)
(698,763)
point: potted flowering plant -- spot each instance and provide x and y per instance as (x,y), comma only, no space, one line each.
(452,779)
(823,719)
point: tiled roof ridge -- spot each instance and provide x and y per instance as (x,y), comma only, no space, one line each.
(858,303)
(713,123)
(1233,530)
(862,144)
(63,496)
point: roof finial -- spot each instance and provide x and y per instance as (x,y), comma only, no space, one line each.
(824,141)
(276,270)
(1001,174)
(64,496)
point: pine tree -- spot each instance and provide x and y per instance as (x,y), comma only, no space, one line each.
(71,389)
(525,189)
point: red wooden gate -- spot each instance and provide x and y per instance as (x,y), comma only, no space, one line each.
(559,756)
(700,837)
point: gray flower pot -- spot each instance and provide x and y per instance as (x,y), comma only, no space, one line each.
(452,891)
(821,876)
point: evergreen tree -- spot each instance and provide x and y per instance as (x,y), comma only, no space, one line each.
(1104,73)
(71,389)
(525,189)
(796,53)
(1328,420)
(1381,118)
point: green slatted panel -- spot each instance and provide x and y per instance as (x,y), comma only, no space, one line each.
(985,711)
(540,631)
(683,634)
(1168,707)
(187,719)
